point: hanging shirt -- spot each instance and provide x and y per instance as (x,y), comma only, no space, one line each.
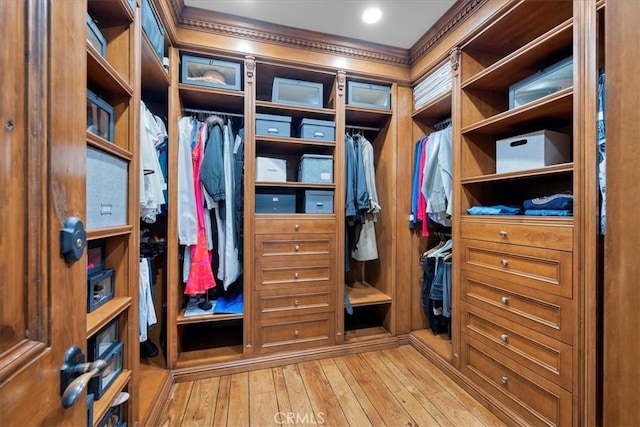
(152,182)
(187,218)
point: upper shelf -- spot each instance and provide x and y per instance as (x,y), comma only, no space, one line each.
(222,100)
(435,110)
(563,168)
(101,74)
(111,12)
(155,78)
(362,116)
(295,111)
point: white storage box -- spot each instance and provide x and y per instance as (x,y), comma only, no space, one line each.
(107,178)
(270,169)
(316,168)
(532,150)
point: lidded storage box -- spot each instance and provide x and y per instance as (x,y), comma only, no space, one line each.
(99,116)
(545,82)
(98,385)
(368,95)
(297,92)
(272,125)
(271,169)
(317,129)
(152,27)
(532,150)
(107,178)
(275,203)
(95,37)
(210,72)
(318,201)
(315,168)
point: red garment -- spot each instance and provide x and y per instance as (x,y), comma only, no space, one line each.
(422,202)
(200,273)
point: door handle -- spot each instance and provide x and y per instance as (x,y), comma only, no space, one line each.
(75,375)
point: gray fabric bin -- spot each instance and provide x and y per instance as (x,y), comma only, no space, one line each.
(152,27)
(317,129)
(275,203)
(107,183)
(318,201)
(271,125)
(316,168)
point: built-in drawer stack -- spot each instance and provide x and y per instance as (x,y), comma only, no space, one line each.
(294,283)
(516,304)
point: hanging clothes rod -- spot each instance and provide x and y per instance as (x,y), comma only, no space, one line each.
(216,113)
(443,124)
(362,128)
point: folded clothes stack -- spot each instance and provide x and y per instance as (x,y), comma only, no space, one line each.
(554,205)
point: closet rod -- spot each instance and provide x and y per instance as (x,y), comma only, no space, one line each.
(217,113)
(362,128)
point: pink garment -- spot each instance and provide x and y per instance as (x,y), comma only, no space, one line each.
(422,202)
(200,274)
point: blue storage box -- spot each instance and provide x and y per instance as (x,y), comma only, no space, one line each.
(297,92)
(368,95)
(317,201)
(545,82)
(107,183)
(275,203)
(317,129)
(153,28)
(100,288)
(271,125)
(98,385)
(210,72)
(95,37)
(99,116)
(316,168)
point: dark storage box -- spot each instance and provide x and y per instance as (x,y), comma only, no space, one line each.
(95,37)
(114,417)
(368,95)
(103,341)
(153,28)
(107,183)
(89,409)
(99,116)
(100,288)
(275,203)
(316,168)
(95,256)
(316,201)
(271,125)
(297,92)
(98,385)
(317,129)
(210,72)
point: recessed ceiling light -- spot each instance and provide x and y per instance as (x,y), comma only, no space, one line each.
(371,15)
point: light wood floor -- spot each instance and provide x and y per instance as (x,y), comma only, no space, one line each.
(396,387)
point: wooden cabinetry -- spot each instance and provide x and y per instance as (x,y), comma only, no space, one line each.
(112,78)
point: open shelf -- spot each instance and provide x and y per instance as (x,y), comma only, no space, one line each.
(295,111)
(200,97)
(362,116)
(289,184)
(97,141)
(185,320)
(101,74)
(525,174)
(211,355)
(366,334)
(105,313)
(103,233)
(154,76)
(434,110)
(101,406)
(110,12)
(361,294)
(293,145)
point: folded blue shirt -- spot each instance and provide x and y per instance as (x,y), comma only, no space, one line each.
(554,201)
(494,210)
(549,212)
(230,304)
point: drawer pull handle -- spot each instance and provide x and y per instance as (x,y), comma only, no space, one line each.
(296,333)
(296,248)
(504,262)
(504,300)
(297,227)
(504,379)
(502,233)
(504,337)
(296,302)
(296,275)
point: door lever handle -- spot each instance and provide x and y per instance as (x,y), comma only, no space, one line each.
(74,389)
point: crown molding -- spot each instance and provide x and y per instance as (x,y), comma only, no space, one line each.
(245,28)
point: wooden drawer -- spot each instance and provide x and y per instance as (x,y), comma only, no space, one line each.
(272,304)
(539,401)
(527,232)
(548,314)
(544,269)
(543,355)
(294,247)
(294,225)
(287,275)
(296,333)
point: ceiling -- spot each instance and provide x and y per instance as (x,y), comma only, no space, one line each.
(403,21)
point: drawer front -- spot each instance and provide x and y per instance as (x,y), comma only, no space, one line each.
(539,401)
(294,247)
(559,237)
(548,314)
(543,355)
(298,333)
(284,275)
(272,304)
(293,225)
(544,269)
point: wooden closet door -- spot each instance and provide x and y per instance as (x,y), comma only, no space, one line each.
(42,157)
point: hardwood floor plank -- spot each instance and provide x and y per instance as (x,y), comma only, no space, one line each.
(202,403)
(282,395)
(221,412)
(407,399)
(348,402)
(178,399)
(325,405)
(389,408)
(263,405)
(239,400)
(368,407)
(298,397)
